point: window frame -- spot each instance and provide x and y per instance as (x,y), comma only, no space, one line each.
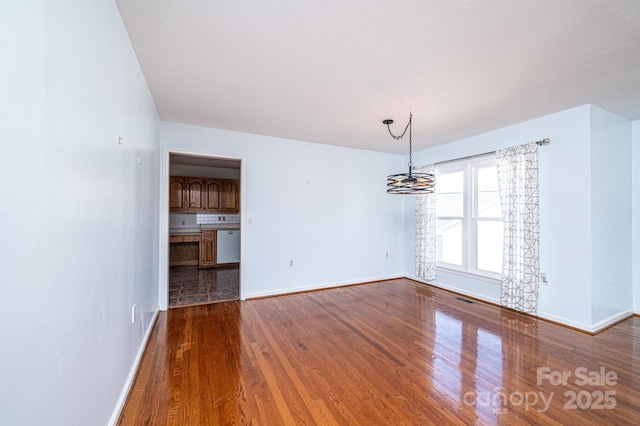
(470,218)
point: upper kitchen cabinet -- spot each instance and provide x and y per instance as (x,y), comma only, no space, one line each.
(188,194)
(194,189)
(213,189)
(176,193)
(230,196)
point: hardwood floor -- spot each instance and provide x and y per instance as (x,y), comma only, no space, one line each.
(392,352)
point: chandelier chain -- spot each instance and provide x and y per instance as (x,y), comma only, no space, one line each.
(410,143)
(408,126)
(403,133)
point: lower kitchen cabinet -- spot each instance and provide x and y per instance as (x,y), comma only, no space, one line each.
(184,249)
(208,248)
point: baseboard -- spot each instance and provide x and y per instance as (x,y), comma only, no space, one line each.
(290,290)
(580,326)
(132,373)
(565,322)
(612,320)
(455,289)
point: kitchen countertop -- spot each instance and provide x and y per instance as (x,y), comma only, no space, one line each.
(221,226)
(197,230)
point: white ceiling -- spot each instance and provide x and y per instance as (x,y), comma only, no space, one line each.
(330,71)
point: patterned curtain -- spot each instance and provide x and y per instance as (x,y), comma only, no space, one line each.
(426,231)
(518,183)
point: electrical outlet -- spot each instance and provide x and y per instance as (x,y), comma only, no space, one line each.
(291,263)
(133,313)
(545,278)
(386,254)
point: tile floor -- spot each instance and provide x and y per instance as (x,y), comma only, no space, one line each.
(189,285)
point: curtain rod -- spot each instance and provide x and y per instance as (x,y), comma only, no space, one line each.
(545,141)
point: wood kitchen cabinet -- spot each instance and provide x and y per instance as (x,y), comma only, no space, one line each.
(184,249)
(190,194)
(222,195)
(208,248)
(230,196)
(212,189)
(176,193)
(194,189)
(186,194)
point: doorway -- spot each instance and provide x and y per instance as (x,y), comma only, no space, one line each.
(201,242)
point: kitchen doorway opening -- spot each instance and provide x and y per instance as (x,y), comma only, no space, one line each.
(201,256)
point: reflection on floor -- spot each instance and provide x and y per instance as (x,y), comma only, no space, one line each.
(189,285)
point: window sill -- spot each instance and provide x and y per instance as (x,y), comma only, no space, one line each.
(490,278)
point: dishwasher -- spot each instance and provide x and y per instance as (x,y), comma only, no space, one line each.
(228,246)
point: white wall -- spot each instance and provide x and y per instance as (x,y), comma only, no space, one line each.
(322,206)
(565,210)
(78,215)
(611,266)
(636,214)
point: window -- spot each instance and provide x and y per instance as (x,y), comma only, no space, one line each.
(469,217)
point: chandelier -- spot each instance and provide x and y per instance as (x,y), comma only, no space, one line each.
(409,183)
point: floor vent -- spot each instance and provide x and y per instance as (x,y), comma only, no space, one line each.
(464,300)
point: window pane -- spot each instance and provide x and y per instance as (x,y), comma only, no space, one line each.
(448,205)
(449,196)
(489,240)
(488,178)
(489,204)
(488,198)
(449,182)
(449,241)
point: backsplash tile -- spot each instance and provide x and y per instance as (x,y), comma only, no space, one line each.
(182,220)
(211,218)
